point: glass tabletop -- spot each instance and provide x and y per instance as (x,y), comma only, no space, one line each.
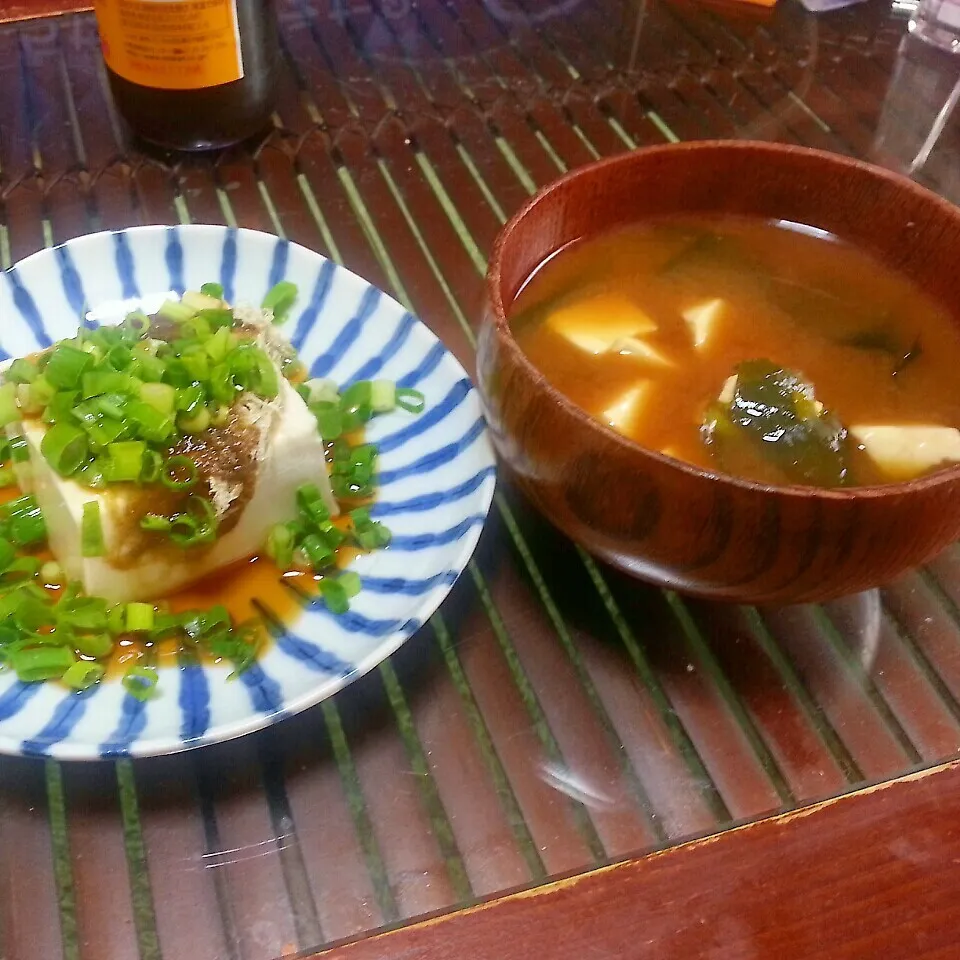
(554,715)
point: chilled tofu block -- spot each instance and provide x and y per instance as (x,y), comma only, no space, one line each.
(283,452)
(702,320)
(908,451)
(624,412)
(594,323)
(641,350)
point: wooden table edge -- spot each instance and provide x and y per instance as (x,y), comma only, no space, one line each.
(825,881)
(13,11)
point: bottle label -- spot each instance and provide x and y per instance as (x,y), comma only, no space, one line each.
(171,44)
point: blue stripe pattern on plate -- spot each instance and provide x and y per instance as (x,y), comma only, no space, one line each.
(24,302)
(318,299)
(125,266)
(347,336)
(194,702)
(72,285)
(133,718)
(173,256)
(68,713)
(228,265)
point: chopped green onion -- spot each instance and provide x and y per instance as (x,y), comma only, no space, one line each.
(269,385)
(196,328)
(155,523)
(196,363)
(41,391)
(33,613)
(65,448)
(189,398)
(317,550)
(138,616)
(159,395)
(214,290)
(91,475)
(19,449)
(334,595)
(196,422)
(81,675)
(115,619)
(22,370)
(83,613)
(219,345)
(103,431)
(140,682)
(310,501)
(9,410)
(66,365)
(412,401)
(355,404)
(175,310)
(103,381)
(383,395)
(148,367)
(21,571)
(198,525)
(118,356)
(152,465)
(25,401)
(369,535)
(280,298)
(280,545)
(51,573)
(112,405)
(329,419)
(41,663)
(91,530)
(7,554)
(94,644)
(373,537)
(179,473)
(350,581)
(138,322)
(125,460)
(320,390)
(8,477)
(199,301)
(23,521)
(151,424)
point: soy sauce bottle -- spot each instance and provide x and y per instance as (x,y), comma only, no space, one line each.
(191,74)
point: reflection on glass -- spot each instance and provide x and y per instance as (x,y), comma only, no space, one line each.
(937,22)
(917,132)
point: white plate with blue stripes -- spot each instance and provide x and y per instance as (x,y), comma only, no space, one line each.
(436,480)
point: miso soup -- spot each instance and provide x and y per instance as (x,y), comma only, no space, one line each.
(769,350)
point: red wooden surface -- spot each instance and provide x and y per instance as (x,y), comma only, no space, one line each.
(836,881)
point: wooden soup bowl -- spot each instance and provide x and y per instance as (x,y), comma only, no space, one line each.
(665,521)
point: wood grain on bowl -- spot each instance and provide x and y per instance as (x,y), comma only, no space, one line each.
(669,522)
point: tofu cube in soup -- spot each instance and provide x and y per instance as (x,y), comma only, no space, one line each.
(703,321)
(627,408)
(640,350)
(907,451)
(593,324)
